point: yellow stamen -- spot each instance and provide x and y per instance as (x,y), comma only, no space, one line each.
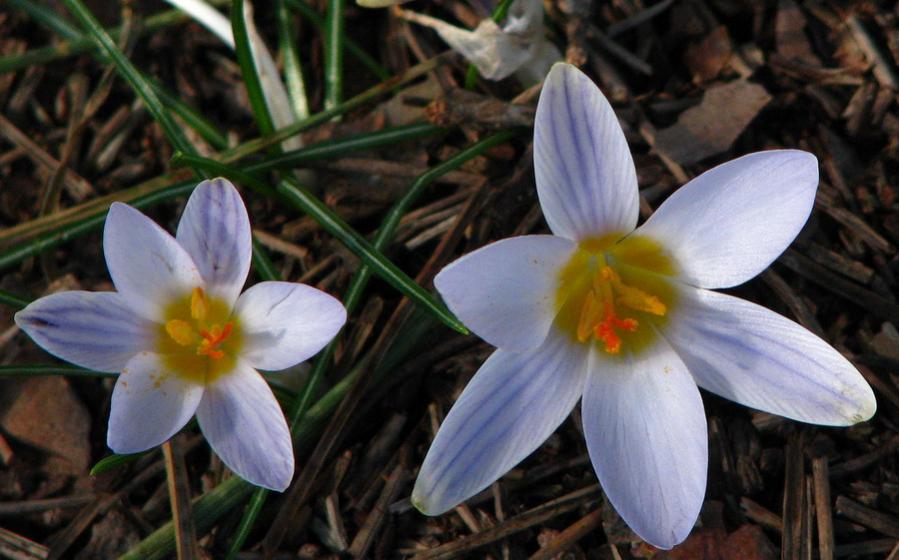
(599,317)
(199,307)
(591,312)
(181,332)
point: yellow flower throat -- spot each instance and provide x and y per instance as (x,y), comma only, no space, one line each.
(199,340)
(612,293)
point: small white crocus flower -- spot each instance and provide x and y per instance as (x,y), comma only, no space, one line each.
(624,319)
(185,339)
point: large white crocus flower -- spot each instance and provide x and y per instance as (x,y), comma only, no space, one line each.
(185,339)
(624,319)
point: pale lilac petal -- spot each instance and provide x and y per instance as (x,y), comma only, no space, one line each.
(513,403)
(727,225)
(285,323)
(506,292)
(646,434)
(148,267)
(586,178)
(753,356)
(95,330)
(149,405)
(215,232)
(246,428)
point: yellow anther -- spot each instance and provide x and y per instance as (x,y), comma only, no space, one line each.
(639,300)
(199,307)
(591,313)
(181,332)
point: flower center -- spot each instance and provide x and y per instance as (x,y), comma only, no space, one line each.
(611,293)
(199,339)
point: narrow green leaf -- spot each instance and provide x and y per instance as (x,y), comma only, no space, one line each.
(140,85)
(293,68)
(248,70)
(351,46)
(288,160)
(12,300)
(262,263)
(113,462)
(50,369)
(334,54)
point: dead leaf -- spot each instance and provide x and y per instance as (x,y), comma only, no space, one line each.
(707,58)
(47,414)
(712,126)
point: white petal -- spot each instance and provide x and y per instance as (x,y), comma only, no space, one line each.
(286,323)
(494,52)
(95,330)
(586,178)
(646,434)
(727,225)
(148,267)
(753,356)
(513,403)
(149,405)
(246,428)
(215,232)
(505,292)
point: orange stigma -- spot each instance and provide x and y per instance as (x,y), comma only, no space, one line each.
(600,319)
(212,339)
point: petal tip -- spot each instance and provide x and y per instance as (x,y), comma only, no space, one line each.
(421,500)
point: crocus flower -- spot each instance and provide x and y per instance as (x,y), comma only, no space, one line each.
(185,339)
(624,320)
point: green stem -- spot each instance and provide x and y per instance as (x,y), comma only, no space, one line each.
(334,54)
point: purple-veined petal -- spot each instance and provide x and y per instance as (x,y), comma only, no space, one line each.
(754,356)
(505,292)
(246,428)
(285,323)
(148,267)
(215,232)
(646,435)
(149,405)
(512,404)
(586,178)
(727,225)
(95,330)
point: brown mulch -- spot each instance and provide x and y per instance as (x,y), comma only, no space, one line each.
(694,82)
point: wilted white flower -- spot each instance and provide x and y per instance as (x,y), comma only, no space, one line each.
(518,47)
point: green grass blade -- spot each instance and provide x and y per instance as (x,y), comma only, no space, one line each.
(281,134)
(92,223)
(140,85)
(351,46)
(334,148)
(263,264)
(50,369)
(334,54)
(113,462)
(248,70)
(288,160)
(12,300)
(293,68)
